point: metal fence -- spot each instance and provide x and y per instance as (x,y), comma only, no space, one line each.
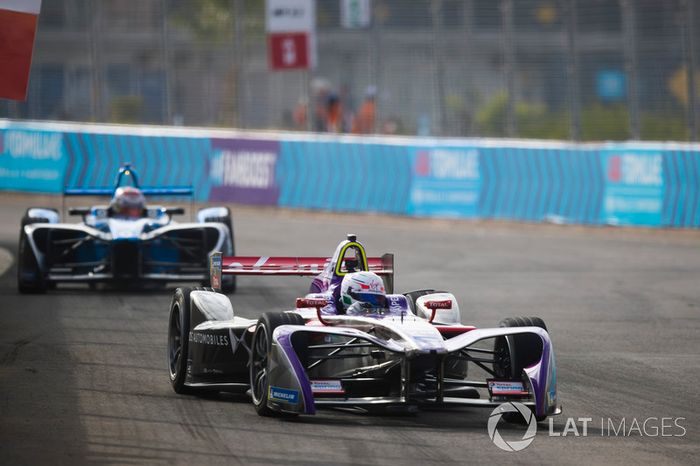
(554,69)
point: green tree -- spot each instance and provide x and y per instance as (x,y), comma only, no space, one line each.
(213,20)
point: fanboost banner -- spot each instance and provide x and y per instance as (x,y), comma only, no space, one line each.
(635,184)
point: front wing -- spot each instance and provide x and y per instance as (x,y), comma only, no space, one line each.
(79,253)
(365,371)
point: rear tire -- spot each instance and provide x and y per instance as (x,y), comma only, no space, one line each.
(30,277)
(259,357)
(178,340)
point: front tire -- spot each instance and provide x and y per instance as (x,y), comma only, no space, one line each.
(259,357)
(30,277)
(516,352)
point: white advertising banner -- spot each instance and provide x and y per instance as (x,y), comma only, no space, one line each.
(291,16)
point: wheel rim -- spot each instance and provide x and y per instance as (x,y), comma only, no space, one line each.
(174,342)
(258,365)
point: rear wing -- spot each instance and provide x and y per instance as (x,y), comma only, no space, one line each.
(165,191)
(289,266)
(126,171)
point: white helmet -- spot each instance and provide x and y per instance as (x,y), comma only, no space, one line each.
(128,202)
(361,292)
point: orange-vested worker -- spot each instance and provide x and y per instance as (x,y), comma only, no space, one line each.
(363,123)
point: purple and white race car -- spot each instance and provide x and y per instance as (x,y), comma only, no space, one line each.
(404,351)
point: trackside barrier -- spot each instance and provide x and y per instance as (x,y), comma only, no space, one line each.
(632,183)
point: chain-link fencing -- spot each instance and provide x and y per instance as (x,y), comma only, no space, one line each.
(553,69)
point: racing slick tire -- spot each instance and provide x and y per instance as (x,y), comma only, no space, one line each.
(526,351)
(30,278)
(228,282)
(259,357)
(178,339)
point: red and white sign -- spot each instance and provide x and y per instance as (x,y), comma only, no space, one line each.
(18,19)
(291,25)
(288,51)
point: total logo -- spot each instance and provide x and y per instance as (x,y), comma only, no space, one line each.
(447,164)
(636,169)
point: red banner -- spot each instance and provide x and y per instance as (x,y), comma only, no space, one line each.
(288,51)
(18,21)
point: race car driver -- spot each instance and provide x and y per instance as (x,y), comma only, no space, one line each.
(128,203)
(363,293)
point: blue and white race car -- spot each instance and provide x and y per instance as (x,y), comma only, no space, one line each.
(125,242)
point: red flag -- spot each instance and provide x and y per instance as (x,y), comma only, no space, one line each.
(18,20)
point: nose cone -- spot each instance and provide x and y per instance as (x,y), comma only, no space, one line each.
(126,230)
(420,336)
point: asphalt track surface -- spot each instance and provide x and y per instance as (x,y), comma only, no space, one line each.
(83,376)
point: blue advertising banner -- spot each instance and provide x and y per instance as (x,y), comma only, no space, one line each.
(446,182)
(558,185)
(94,160)
(632,183)
(634,186)
(32,160)
(344,176)
(681,171)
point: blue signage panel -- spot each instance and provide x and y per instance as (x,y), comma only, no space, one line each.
(562,185)
(634,186)
(446,181)
(159,160)
(681,188)
(611,85)
(32,160)
(651,184)
(343,176)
